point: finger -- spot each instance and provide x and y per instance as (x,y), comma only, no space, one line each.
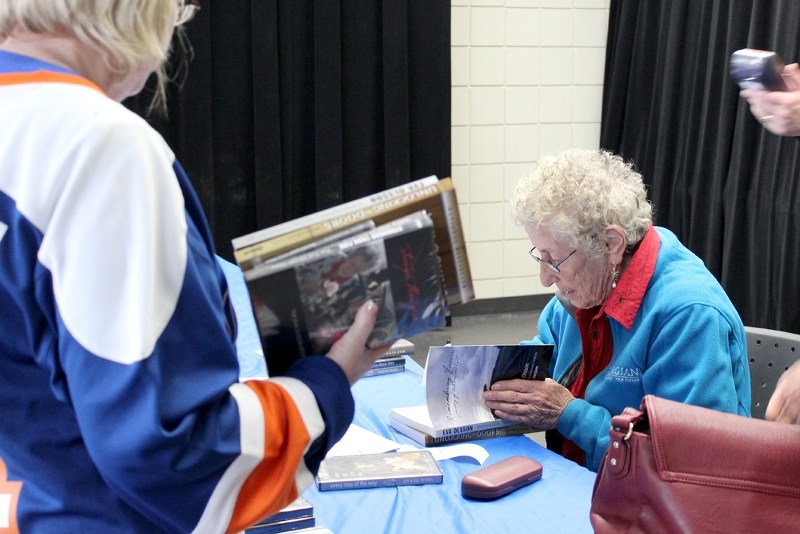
(349,351)
(499,396)
(363,323)
(507,415)
(774,408)
(518,384)
(785,415)
(787,396)
(791,75)
(777,403)
(502,385)
(747,94)
(365,317)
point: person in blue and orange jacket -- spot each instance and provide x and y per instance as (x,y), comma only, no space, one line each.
(121,408)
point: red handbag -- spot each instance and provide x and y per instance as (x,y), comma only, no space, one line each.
(673,467)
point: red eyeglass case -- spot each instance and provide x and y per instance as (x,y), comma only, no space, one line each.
(501,478)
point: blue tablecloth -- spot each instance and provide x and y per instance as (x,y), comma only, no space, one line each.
(559,502)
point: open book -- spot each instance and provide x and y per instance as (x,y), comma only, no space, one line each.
(456,377)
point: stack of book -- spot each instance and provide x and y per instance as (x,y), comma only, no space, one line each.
(394,360)
(415,423)
(294,517)
(403,248)
(455,377)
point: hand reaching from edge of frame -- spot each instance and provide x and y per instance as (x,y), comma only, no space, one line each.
(784,406)
(533,402)
(350,350)
(778,111)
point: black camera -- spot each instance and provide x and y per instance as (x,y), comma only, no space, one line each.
(758,69)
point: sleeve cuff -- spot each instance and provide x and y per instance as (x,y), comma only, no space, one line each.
(331,388)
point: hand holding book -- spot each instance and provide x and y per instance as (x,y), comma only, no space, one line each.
(456,379)
(350,350)
(531,402)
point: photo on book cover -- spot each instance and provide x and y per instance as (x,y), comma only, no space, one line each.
(303,305)
(400,468)
(456,377)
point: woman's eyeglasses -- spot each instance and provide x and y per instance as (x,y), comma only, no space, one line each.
(187,9)
(553,266)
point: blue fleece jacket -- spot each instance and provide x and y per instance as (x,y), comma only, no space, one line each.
(687,343)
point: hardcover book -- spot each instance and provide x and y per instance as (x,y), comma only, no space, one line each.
(456,377)
(305,302)
(385,371)
(437,197)
(401,347)
(298,514)
(287,525)
(427,440)
(378,470)
(387,365)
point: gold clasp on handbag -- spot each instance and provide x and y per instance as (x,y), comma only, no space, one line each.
(628,434)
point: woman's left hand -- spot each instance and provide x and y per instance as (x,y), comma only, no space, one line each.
(532,402)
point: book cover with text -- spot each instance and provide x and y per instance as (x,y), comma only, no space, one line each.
(364,471)
(304,304)
(437,197)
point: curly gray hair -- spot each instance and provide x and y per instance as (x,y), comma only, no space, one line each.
(579,193)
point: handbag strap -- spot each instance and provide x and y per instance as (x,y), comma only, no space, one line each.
(622,430)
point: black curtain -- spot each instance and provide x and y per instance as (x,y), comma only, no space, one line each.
(724,185)
(293,106)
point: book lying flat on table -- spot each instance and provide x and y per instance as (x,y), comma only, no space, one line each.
(455,378)
(297,515)
(427,439)
(387,365)
(393,360)
(378,470)
(437,197)
(304,302)
(401,347)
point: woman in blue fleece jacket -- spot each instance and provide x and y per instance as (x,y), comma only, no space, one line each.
(635,312)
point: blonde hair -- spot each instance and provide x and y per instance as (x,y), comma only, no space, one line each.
(130,34)
(579,193)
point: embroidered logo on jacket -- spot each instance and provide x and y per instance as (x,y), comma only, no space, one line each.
(624,374)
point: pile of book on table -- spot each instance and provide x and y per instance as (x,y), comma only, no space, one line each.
(394,360)
(297,517)
(455,377)
(403,248)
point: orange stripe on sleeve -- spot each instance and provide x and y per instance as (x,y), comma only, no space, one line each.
(271,486)
(45,76)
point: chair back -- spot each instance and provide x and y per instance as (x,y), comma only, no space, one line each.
(771,352)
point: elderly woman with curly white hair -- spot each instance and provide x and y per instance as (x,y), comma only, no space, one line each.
(635,312)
